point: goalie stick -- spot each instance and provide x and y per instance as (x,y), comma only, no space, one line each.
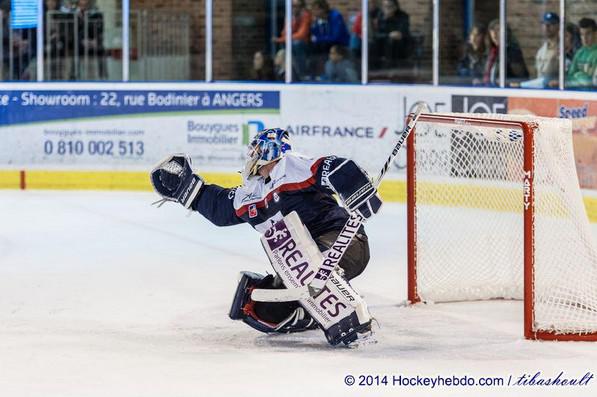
(343,240)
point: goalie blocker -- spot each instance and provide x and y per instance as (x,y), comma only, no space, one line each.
(338,310)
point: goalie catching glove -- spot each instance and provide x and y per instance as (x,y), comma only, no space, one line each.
(353,186)
(173,179)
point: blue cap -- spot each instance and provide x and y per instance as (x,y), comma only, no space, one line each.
(551,18)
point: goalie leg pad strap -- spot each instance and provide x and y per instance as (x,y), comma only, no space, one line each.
(346,330)
(241,307)
(267,317)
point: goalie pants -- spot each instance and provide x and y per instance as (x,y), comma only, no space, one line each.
(355,258)
(353,262)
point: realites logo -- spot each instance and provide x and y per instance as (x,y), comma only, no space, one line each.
(288,256)
(479,104)
(277,235)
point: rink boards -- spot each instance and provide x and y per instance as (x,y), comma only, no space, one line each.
(391,190)
(89,136)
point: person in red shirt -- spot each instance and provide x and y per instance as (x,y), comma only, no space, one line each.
(356,36)
(516,69)
(300,25)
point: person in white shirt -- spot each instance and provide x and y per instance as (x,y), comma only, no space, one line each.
(547,57)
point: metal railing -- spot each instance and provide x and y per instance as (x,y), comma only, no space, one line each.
(162,45)
(75,47)
(17,51)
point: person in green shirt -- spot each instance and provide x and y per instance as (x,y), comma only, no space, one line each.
(584,64)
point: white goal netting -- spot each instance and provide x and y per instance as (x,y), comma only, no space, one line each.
(469,229)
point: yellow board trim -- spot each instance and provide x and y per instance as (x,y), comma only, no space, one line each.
(97,180)
(87,180)
(10,179)
(390,190)
(591,207)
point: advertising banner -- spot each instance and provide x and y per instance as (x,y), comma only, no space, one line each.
(133,129)
(353,122)
(130,129)
(584,124)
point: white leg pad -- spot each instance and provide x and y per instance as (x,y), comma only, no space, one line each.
(296,258)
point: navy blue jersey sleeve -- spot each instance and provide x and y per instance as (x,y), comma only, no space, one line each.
(216,204)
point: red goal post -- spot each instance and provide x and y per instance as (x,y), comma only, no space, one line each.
(474,178)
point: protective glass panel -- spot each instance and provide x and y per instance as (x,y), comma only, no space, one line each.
(18,38)
(330,51)
(580,45)
(400,41)
(532,51)
(244,35)
(167,43)
(463,41)
(82,40)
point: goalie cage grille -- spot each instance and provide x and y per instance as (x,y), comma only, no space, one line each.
(495,212)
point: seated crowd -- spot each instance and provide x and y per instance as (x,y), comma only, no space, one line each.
(479,64)
(325,49)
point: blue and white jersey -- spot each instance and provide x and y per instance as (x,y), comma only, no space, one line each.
(296,183)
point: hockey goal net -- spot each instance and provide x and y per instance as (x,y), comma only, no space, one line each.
(495,212)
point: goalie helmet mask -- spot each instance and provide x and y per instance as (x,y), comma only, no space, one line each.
(266,147)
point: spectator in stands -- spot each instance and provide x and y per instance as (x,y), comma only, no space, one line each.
(68,6)
(547,57)
(356,36)
(516,68)
(472,64)
(50,6)
(54,42)
(301,25)
(572,43)
(280,67)
(582,70)
(4,50)
(391,40)
(92,62)
(24,45)
(338,68)
(263,67)
(327,29)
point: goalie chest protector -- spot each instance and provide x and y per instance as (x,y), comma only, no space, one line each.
(295,184)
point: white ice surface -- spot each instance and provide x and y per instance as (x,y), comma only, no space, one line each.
(103,295)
